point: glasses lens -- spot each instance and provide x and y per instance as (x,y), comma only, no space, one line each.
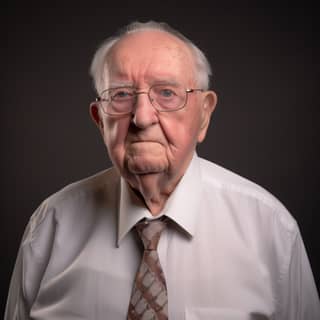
(167,97)
(118,100)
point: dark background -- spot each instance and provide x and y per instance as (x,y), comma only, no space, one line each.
(266,72)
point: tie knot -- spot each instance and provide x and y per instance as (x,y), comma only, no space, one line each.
(150,232)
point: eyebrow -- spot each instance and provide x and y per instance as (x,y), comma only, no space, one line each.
(120,84)
(168,82)
(152,83)
(164,79)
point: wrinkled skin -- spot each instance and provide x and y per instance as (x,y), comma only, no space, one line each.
(152,149)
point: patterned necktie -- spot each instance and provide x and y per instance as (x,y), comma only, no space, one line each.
(149,295)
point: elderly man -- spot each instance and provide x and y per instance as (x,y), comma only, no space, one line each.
(163,234)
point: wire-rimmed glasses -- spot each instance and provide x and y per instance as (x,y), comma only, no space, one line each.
(163,97)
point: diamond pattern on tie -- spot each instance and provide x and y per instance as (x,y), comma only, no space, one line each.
(149,295)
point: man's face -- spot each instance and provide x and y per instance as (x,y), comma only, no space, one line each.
(149,144)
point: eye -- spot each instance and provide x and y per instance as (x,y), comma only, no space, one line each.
(119,94)
(166,93)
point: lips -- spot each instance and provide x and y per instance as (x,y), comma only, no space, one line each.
(146,143)
(139,148)
(147,135)
(144,140)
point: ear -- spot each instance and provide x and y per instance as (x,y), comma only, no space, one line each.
(208,105)
(95,115)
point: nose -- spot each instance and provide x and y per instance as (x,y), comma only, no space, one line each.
(144,114)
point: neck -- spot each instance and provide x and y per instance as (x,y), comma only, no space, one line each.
(153,192)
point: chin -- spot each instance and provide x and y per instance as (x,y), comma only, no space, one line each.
(146,166)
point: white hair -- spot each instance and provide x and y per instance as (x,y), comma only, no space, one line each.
(99,67)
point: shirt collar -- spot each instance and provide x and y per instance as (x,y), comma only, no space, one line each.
(182,205)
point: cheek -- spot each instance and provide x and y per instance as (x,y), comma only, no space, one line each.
(115,133)
(181,130)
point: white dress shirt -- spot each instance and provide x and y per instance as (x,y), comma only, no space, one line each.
(232,251)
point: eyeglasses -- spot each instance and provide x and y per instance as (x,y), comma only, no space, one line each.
(163,97)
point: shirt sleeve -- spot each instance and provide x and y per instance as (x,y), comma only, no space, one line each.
(300,299)
(16,308)
(31,262)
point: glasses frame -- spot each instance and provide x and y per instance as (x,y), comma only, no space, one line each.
(136,93)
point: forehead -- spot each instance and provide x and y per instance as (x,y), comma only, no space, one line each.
(150,53)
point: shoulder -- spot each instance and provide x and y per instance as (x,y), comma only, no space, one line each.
(244,196)
(106,180)
(73,203)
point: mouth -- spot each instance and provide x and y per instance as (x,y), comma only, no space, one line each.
(144,147)
(143,141)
